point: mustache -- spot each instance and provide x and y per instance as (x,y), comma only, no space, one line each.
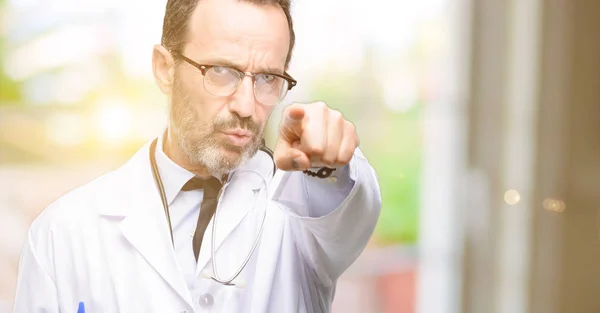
(245,123)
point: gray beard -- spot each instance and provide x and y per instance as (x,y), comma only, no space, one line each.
(211,156)
(200,144)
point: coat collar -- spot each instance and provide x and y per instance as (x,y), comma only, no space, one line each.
(173,176)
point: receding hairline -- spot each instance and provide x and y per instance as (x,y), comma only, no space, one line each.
(176,30)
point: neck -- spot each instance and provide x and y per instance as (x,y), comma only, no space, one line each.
(172,149)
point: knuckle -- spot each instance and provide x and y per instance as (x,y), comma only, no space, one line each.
(321,105)
(336,115)
(328,159)
(316,150)
(350,127)
(345,159)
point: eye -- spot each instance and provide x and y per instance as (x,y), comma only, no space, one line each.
(220,70)
(268,77)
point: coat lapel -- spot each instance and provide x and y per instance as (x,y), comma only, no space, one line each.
(241,196)
(232,210)
(144,224)
(268,255)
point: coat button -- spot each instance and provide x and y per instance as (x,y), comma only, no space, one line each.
(206,300)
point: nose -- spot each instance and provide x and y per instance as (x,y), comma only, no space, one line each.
(244,102)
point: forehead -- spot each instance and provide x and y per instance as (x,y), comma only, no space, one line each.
(243,32)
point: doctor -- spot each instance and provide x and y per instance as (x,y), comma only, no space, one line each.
(144,237)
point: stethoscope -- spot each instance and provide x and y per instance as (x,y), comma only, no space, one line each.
(215,273)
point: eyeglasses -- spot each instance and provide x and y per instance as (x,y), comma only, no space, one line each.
(223,81)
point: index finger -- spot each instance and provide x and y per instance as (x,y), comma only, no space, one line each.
(293,117)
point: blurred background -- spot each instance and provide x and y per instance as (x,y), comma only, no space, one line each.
(482,118)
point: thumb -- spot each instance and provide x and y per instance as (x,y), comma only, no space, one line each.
(289,158)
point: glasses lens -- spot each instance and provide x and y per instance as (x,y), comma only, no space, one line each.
(270,89)
(221,81)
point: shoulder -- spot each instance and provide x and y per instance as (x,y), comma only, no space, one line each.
(73,206)
(65,221)
(78,208)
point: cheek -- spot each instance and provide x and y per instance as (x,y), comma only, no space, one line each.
(204,104)
(263,113)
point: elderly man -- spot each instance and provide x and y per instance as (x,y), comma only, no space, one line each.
(204,217)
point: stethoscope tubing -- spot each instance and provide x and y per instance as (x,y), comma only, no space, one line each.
(215,276)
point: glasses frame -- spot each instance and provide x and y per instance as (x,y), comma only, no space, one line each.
(205,67)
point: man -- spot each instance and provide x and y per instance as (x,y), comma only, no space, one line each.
(144,238)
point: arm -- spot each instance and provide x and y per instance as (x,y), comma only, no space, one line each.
(36,290)
(332,221)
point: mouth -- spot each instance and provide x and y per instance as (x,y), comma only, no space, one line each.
(238,137)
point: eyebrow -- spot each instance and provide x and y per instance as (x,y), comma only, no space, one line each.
(225,62)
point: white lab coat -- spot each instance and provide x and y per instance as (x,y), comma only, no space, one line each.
(107,244)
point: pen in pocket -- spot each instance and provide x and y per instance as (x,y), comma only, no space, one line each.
(81,308)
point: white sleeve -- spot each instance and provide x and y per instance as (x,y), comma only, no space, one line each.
(332,222)
(36,290)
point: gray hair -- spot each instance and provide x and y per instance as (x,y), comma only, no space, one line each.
(179,12)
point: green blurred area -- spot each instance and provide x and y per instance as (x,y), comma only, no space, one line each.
(392,143)
(399,169)
(10,92)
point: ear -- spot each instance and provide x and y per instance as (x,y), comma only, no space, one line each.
(163,68)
